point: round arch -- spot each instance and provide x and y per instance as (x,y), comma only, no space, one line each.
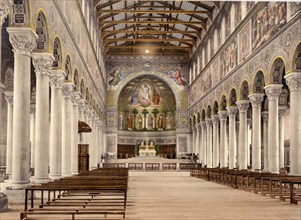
(244,91)
(277,71)
(158,75)
(258,83)
(296,62)
(42,32)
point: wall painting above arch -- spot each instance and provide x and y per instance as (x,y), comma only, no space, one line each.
(118,71)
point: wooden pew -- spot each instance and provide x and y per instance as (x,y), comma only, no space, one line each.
(93,193)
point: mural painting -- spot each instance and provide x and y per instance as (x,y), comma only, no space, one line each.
(228,59)
(146,104)
(267,22)
(118,71)
(244,42)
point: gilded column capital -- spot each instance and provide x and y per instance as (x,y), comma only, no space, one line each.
(75,97)
(256,99)
(2,88)
(293,80)
(42,62)
(273,91)
(57,78)
(232,110)
(23,39)
(67,89)
(243,105)
(208,122)
(4,9)
(223,115)
(215,119)
(9,96)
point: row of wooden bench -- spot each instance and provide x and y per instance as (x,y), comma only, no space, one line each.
(151,166)
(280,186)
(97,192)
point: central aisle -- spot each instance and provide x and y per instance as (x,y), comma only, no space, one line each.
(176,195)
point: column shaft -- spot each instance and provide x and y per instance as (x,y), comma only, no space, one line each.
(294,82)
(9,139)
(215,148)
(32,136)
(66,132)
(55,159)
(74,134)
(232,136)
(223,133)
(265,116)
(281,136)
(273,92)
(209,142)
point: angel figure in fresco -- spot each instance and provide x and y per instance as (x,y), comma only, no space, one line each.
(133,98)
(116,76)
(177,76)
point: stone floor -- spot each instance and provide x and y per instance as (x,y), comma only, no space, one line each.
(175,195)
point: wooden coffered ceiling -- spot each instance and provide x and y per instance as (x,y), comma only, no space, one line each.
(159,27)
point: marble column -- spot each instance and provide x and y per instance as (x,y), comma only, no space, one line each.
(209,142)
(265,118)
(81,108)
(203,144)
(223,145)
(232,136)
(249,139)
(32,134)
(293,81)
(74,133)
(273,91)
(243,106)
(55,145)
(215,147)
(281,112)
(9,140)
(66,126)
(193,139)
(256,100)
(42,63)
(197,139)
(92,143)
(23,40)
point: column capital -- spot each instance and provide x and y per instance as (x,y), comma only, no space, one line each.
(75,97)
(223,115)
(273,91)
(57,78)
(67,89)
(208,121)
(281,110)
(42,62)
(256,99)
(243,105)
(4,9)
(2,88)
(232,111)
(293,80)
(33,108)
(265,115)
(23,39)
(215,118)
(203,124)
(81,105)
(9,96)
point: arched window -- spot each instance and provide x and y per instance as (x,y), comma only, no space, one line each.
(68,69)
(57,54)
(233,98)
(75,80)
(209,111)
(41,30)
(223,103)
(277,71)
(297,59)
(258,82)
(244,91)
(215,108)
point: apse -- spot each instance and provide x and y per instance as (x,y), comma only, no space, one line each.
(146,104)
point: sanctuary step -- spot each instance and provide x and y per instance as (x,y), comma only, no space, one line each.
(152,164)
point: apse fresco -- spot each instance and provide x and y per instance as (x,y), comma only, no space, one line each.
(267,22)
(118,71)
(146,104)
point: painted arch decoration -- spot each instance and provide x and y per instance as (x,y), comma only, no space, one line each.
(146,103)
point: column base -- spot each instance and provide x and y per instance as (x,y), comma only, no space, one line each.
(55,176)
(73,173)
(66,174)
(40,180)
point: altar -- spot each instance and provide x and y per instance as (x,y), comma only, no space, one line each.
(147,150)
